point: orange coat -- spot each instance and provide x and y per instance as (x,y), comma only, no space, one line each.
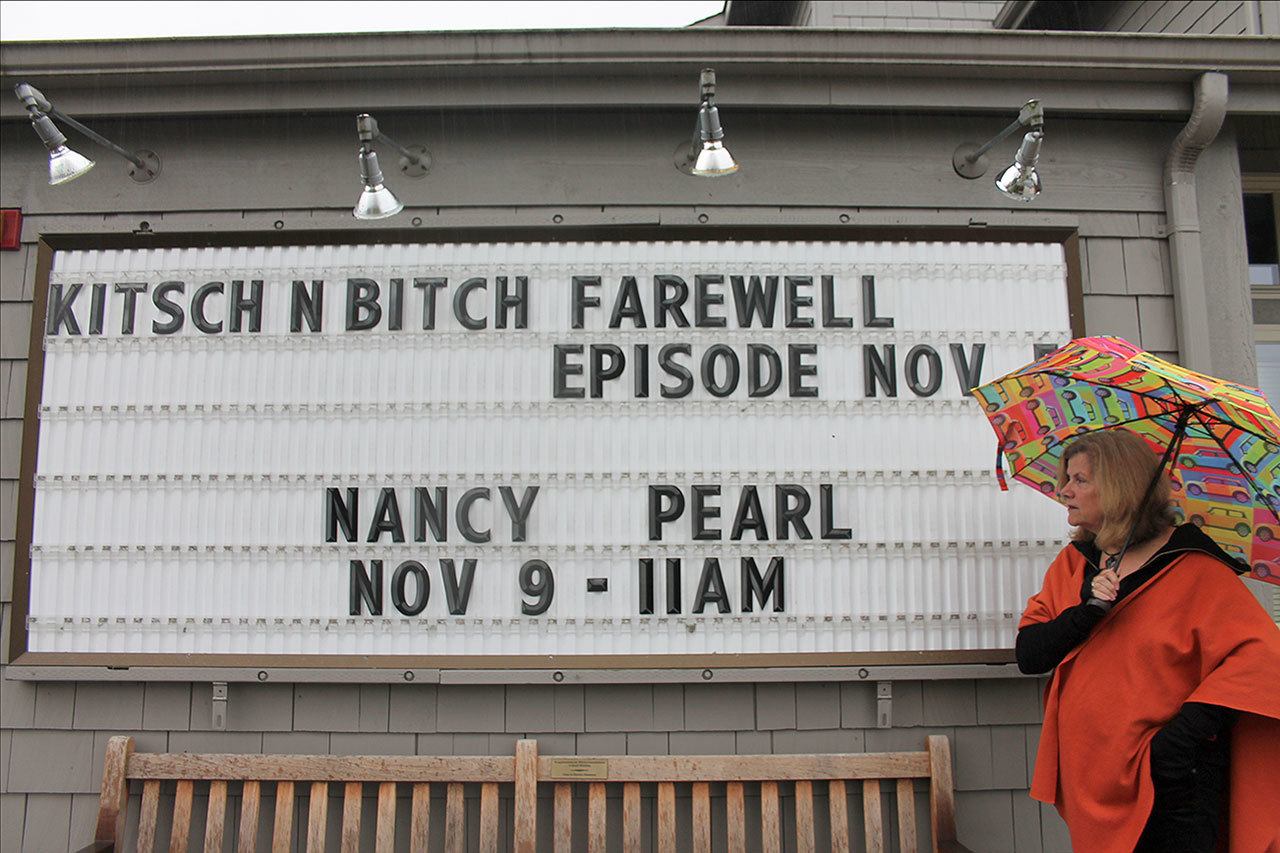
(1193,632)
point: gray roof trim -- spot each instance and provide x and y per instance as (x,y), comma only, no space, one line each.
(766,67)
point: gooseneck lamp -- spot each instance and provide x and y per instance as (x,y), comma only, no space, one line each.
(706,155)
(376,201)
(64,163)
(1020,181)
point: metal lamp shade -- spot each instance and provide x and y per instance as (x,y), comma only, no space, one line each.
(66,165)
(377,202)
(714,160)
(1021,181)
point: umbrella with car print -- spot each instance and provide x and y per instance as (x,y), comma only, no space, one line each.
(1219,441)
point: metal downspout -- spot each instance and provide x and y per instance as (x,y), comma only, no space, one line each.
(1183,219)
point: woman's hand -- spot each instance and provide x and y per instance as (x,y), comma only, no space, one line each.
(1106,585)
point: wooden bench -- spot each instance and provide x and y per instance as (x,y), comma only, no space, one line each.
(768,778)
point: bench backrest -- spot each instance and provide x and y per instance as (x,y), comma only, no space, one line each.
(292,776)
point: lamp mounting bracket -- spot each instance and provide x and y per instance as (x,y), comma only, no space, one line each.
(150,168)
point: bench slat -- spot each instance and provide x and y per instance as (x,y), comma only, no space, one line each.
(631,817)
(804,816)
(872,819)
(770,825)
(595,818)
(181,817)
(701,823)
(250,797)
(489,817)
(837,796)
(318,817)
(564,818)
(215,815)
(736,812)
(455,830)
(147,817)
(320,768)
(753,768)
(282,827)
(526,810)
(666,817)
(386,827)
(420,818)
(351,796)
(907,816)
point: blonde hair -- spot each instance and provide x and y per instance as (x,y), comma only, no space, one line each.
(1123,465)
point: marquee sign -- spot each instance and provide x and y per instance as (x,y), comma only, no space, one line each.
(578,450)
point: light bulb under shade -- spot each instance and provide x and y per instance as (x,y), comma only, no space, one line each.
(377,202)
(714,160)
(66,165)
(1020,183)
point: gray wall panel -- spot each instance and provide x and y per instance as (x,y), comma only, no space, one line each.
(812,159)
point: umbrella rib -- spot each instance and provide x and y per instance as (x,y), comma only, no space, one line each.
(1036,458)
(1258,490)
(1200,412)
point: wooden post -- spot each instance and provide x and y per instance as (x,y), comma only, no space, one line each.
(526,813)
(942,804)
(114,800)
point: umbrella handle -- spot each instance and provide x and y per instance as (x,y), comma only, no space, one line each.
(1004,486)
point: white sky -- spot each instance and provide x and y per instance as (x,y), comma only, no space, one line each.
(64,20)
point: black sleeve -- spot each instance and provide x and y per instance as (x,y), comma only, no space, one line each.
(1042,646)
(1173,750)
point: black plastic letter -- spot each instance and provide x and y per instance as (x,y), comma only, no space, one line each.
(711,588)
(798,370)
(667,361)
(165,305)
(869,318)
(787,514)
(773,584)
(930,355)
(460,304)
(197,307)
(702,510)
(60,314)
(879,370)
(341,514)
(579,299)
(463,519)
(399,581)
(601,374)
(386,517)
(795,301)
(660,515)
(365,587)
(129,311)
(732,370)
(561,369)
(251,306)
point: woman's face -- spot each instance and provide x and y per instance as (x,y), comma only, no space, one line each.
(1080,494)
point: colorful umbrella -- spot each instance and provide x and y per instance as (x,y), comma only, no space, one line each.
(1223,438)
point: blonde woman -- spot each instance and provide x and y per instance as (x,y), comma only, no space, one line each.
(1162,717)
